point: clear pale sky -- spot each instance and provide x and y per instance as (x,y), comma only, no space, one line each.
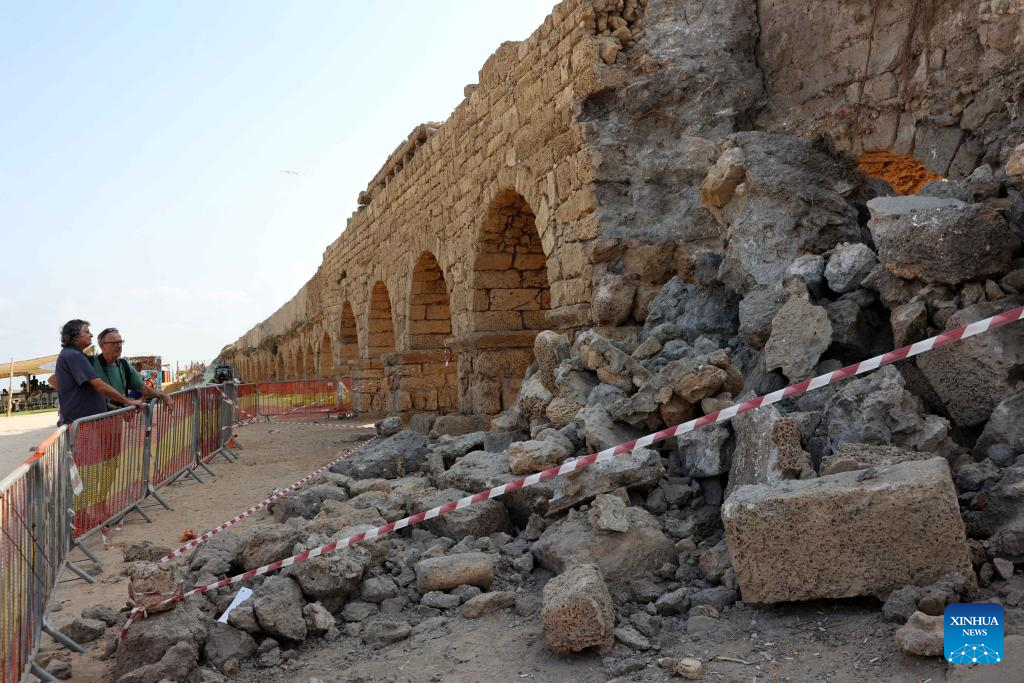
(144,143)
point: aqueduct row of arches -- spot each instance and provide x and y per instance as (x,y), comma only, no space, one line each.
(404,352)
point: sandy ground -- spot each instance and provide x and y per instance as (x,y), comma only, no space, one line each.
(274,456)
(20,434)
(843,640)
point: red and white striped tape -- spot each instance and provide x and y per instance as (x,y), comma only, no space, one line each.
(609,453)
(199,540)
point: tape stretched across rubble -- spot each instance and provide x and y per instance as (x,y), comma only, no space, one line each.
(724,415)
(199,540)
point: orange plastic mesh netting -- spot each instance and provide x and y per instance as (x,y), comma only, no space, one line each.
(904,173)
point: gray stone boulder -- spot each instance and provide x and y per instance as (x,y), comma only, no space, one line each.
(83,630)
(947,244)
(705,452)
(801,332)
(332,578)
(696,309)
(305,503)
(175,664)
(380,634)
(451,448)
(278,604)
(973,376)
(756,312)
(318,620)
(389,458)
(266,543)
(389,426)
(481,470)
(219,554)
(922,635)
(149,640)
(577,612)
(835,536)
(876,409)
(224,643)
(482,519)
(1004,428)
(641,549)
(638,469)
(848,266)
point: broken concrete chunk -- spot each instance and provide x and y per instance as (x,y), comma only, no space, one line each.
(835,536)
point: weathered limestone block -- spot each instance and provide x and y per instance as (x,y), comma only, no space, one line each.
(451,571)
(578,611)
(856,533)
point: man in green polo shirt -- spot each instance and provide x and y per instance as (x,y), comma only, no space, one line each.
(118,372)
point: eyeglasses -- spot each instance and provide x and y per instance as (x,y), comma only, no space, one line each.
(119,341)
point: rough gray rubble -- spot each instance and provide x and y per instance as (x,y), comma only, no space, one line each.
(903,484)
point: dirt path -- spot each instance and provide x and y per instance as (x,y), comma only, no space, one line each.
(19,434)
(274,456)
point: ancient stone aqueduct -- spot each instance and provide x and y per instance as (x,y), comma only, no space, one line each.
(572,170)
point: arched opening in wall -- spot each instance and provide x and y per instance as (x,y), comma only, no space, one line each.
(904,173)
(327,356)
(348,338)
(511,296)
(292,365)
(281,371)
(310,368)
(430,317)
(381,328)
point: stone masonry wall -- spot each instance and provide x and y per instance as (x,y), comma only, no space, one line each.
(564,191)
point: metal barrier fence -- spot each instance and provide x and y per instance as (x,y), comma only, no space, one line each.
(303,397)
(35,536)
(122,458)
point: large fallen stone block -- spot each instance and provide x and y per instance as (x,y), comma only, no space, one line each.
(640,468)
(578,611)
(855,533)
(639,550)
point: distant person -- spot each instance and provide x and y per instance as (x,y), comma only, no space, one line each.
(79,388)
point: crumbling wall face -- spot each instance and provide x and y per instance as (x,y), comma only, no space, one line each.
(939,79)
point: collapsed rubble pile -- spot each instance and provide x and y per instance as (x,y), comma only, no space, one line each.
(902,484)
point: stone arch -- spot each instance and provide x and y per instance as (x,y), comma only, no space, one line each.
(293,357)
(280,370)
(348,336)
(511,296)
(327,356)
(380,323)
(430,317)
(309,367)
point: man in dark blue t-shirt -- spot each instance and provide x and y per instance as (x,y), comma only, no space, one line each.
(80,390)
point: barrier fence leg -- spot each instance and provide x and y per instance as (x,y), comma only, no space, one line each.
(41,673)
(155,495)
(61,638)
(82,574)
